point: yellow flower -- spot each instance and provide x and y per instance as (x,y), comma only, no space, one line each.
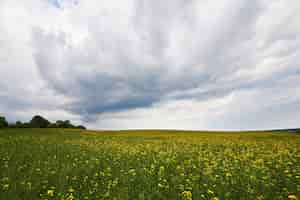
(71,190)
(292,197)
(50,193)
(187,195)
(210,191)
(228,174)
(29,185)
(5,186)
(70,197)
(215,198)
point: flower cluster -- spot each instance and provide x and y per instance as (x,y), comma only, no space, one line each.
(72,164)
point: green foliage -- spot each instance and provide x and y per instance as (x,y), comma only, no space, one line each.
(64,124)
(81,127)
(39,122)
(3,122)
(19,124)
(128,165)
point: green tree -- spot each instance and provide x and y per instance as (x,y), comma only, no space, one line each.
(64,124)
(19,124)
(26,125)
(81,127)
(3,122)
(39,122)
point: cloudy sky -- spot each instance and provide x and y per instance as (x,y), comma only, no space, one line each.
(175,64)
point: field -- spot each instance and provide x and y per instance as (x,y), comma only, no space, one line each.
(128,165)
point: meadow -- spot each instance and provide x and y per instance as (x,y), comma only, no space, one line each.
(67,164)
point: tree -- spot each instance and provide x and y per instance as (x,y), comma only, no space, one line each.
(52,125)
(26,125)
(19,124)
(64,124)
(59,123)
(81,127)
(39,122)
(3,122)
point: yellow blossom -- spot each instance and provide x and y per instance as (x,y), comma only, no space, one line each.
(187,195)
(50,193)
(292,197)
(5,186)
(71,190)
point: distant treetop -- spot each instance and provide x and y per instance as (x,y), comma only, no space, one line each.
(3,122)
(39,122)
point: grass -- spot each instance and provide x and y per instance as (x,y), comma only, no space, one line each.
(75,164)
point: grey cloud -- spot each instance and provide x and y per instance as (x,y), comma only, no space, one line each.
(122,79)
(135,57)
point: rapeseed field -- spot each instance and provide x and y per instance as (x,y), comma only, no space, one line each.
(127,165)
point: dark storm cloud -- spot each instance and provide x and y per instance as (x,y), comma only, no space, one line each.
(131,87)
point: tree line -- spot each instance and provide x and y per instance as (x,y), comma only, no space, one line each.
(38,122)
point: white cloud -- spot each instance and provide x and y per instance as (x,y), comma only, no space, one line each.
(151,64)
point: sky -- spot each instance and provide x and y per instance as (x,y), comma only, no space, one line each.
(152,64)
